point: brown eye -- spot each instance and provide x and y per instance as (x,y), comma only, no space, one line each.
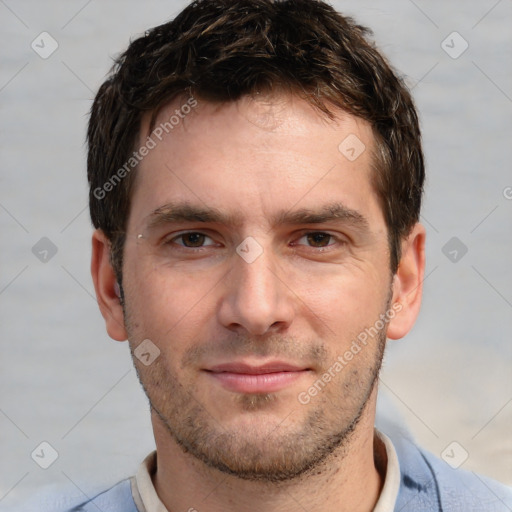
(319,239)
(191,240)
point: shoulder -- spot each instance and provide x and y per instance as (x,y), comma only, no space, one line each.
(430,484)
(116,499)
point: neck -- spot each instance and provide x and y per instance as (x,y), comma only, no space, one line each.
(350,480)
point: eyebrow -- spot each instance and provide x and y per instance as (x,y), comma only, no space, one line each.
(172,213)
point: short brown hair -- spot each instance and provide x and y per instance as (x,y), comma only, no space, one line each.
(221,50)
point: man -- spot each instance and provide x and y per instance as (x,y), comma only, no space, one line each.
(256,175)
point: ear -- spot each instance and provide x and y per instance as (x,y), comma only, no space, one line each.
(408,284)
(105,281)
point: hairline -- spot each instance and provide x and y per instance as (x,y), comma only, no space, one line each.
(377,163)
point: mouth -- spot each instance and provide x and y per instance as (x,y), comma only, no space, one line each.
(270,377)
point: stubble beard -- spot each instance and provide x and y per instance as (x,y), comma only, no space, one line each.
(282,453)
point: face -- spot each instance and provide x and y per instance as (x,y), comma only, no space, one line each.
(256,254)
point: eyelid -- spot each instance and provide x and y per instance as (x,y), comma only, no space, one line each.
(337,238)
(171,239)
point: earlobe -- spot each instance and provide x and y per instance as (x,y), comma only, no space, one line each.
(408,283)
(105,282)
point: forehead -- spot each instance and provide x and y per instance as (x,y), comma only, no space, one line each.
(280,113)
(255,154)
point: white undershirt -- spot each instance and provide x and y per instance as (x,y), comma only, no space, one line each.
(147,500)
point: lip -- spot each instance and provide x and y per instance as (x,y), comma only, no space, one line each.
(253,369)
(241,377)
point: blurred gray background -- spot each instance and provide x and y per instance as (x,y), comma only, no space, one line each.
(64,382)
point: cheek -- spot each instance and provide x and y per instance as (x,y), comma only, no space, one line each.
(169,303)
(343,296)
(166,304)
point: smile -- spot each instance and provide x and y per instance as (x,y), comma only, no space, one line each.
(243,378)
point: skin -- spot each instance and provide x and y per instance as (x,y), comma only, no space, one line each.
(303,300)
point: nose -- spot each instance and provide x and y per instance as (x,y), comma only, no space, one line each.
(256,299)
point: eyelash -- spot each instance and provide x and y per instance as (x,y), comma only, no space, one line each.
(170,241)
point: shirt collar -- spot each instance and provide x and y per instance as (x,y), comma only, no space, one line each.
(391,487)
(147,500)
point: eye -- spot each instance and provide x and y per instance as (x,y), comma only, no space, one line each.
(319,239)
(191,240)
(197,240)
